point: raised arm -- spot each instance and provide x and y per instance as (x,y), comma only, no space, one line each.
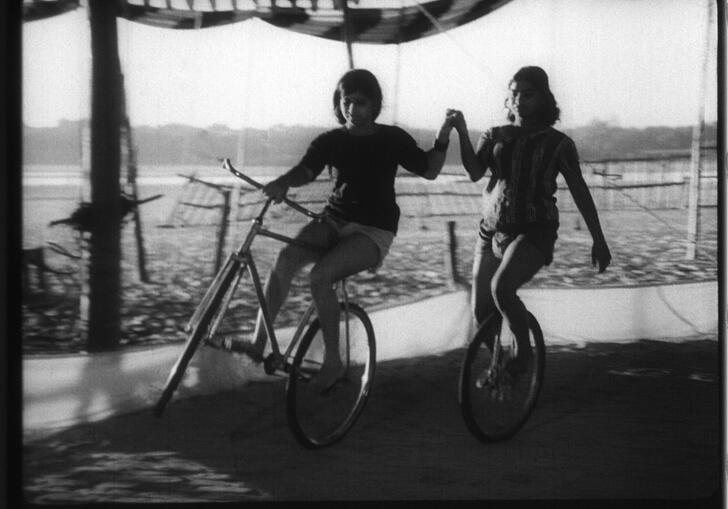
(472,163)
(436,155)
(570,169)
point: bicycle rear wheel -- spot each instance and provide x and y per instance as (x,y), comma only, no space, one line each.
(318,420)
(198,329)
(494,406)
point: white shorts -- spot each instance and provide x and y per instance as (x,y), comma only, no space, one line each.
(382,238)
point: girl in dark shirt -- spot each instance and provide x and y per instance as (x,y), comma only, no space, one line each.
(361,214)
(520,219)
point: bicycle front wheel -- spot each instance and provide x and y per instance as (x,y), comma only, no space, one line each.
(318,420)
(495,405)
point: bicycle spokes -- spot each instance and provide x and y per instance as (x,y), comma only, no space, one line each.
(497,389)
(321,417)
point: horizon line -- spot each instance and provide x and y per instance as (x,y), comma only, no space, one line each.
(594,122)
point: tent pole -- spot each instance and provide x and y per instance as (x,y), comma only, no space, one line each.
(722,158)
(398,65)
(695,155)
(347,33)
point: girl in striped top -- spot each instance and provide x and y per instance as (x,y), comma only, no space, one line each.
(520,220)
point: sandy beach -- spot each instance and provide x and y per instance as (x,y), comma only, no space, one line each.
(648,248)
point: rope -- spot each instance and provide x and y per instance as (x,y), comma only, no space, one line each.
(486,70)
(661,220)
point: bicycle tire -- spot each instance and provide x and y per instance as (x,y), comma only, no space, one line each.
(318,420)
(496,410)
(211,303)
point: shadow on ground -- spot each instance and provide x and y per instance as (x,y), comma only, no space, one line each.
(638,420)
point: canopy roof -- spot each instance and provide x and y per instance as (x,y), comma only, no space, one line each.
(371,21)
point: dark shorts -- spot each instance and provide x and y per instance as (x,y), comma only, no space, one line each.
(543,238)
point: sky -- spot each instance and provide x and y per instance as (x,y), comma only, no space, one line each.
(632,63)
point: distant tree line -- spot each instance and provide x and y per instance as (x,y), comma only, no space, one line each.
(176,144)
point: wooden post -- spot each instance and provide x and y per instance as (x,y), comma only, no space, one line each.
(661,202)
(451,256)
(138,232)
(84,299)
(222,232)
(694,185)
(131,182)
(84,195)
(233,225)
(104,314)
(425,211)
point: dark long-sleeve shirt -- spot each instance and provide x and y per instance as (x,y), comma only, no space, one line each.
(364,169)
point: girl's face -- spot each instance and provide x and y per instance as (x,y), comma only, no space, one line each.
(525,102)
(357,109)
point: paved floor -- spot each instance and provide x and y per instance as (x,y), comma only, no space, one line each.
(639,420)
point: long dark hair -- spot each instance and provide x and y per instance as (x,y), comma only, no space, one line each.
(358,80)
(540,81)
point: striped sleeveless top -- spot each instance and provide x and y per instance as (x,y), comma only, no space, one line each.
(520,194)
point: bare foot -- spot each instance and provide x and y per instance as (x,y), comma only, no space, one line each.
(518,366)
(325,379)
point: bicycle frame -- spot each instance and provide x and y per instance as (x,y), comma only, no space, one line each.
(240,261)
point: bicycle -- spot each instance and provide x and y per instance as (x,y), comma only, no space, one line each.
(315,419)
(494,404)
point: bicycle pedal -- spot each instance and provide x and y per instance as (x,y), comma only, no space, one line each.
(333,388)
(271,364)
(487,378)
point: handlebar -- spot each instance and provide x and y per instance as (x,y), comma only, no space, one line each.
(303,210)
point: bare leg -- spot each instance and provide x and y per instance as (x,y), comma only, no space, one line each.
(521,261)
(289,261)
(485,264)
(352,254)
